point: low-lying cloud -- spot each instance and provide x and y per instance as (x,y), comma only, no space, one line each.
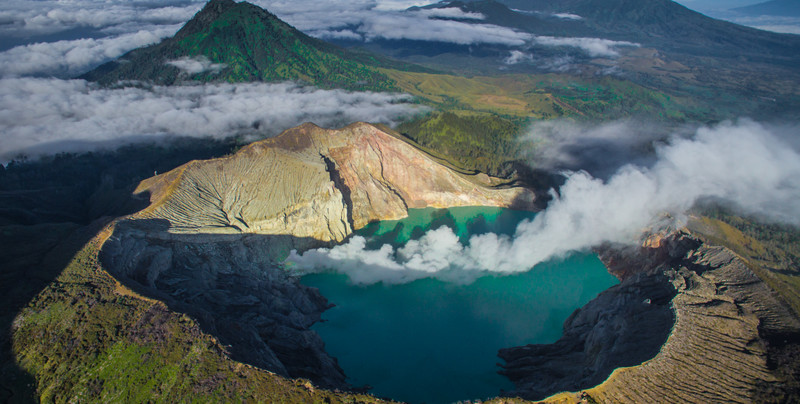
(370,20)
(70,58)
(43,116)
(200,64)
(423,29)
(745,164)
(516,57)
(595,47)
(450,12)
(32,19)
(563,16)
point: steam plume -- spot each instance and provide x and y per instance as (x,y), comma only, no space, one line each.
(744,163)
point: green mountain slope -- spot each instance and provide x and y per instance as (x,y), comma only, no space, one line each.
(236,42)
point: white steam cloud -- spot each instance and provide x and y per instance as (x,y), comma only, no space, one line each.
(41,116)
(745,164)
(200,64)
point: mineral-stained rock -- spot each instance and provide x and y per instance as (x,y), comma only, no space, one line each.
(211,242)
(316,183)
(711,309)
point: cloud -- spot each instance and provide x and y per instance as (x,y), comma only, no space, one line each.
(567,16)
(375,20)
(36,18)
(450,12)
(595,47)
(422,29)
(196,65)
(70,58)
(42,116)
(744,163)
(563,16)
(517,57)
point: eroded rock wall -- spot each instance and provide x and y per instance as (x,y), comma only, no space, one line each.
(712,311)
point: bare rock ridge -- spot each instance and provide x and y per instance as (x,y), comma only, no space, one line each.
(212,240)
(702,325)
(318,183)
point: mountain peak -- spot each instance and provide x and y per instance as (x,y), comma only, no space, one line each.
(210,12)
(239,42)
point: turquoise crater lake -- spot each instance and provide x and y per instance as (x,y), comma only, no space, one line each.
(431,341)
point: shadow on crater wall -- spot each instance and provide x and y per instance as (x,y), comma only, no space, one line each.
(236,288)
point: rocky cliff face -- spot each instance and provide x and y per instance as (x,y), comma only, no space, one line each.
(212,240)
(716,319)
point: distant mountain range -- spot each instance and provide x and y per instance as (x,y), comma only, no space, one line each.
(783,8)
(662,24)
(235,42)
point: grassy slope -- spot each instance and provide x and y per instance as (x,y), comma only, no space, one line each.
(87,338)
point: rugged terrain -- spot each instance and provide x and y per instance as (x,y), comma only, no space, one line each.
(212,240)
(186,297)
(690,322)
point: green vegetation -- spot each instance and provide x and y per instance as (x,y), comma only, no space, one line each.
(248,44)
(86,338)
(606,98)
(478,141)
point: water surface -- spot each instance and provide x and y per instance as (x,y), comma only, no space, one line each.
(431,341)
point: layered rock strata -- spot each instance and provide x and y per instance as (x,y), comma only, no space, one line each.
(211,242)
(712,313)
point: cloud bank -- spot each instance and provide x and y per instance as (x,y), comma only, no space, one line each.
(21,18)
(744,163)
(42,116)
(70,58)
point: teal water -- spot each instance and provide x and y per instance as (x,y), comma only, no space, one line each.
(431,341)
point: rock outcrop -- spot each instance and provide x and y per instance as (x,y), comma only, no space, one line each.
(317,183)
(211,242)
(715,317)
